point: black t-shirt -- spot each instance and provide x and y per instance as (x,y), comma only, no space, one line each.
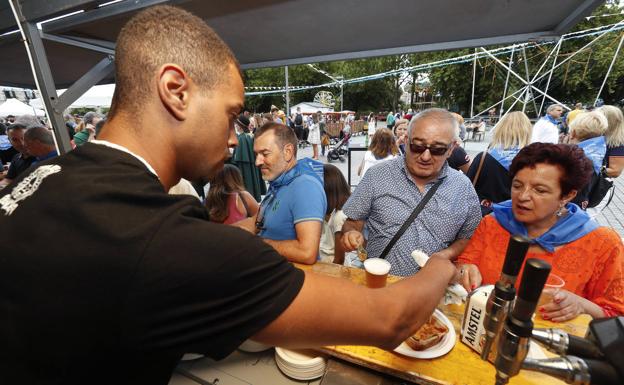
(118,279)
(458,158)
(494,184)
(7,155)
(18,165)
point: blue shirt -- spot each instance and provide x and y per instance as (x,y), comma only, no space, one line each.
(294,197)
(47,156)
(387,195)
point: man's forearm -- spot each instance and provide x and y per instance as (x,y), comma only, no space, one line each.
(293,251)
(452,252)
(352,225)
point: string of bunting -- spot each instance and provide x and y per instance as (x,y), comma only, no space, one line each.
(269,90)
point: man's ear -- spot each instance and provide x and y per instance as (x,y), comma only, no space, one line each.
(289,152)
(173,90)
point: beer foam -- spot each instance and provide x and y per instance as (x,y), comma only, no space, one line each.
(377,266)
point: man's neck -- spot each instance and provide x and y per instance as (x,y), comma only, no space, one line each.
(149,147)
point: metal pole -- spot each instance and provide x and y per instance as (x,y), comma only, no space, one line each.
(474,78)
(609,70)
(43,76)
(341,95)
(506,83)
(287,94)
(529,94)
(550,73)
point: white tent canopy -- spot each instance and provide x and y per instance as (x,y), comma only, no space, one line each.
(310,107)
(17,108)
(98,96)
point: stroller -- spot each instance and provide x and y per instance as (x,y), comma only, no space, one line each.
(338,150)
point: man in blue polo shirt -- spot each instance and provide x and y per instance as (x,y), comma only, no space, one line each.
(291,215)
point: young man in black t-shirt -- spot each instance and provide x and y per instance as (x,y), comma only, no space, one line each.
(120,279)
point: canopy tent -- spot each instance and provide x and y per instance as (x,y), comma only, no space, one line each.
(318,30)
(310,108)
(98,96)
(16,108)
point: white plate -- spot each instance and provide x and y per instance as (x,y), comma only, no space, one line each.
(300,375)
(300,358)
(437,350)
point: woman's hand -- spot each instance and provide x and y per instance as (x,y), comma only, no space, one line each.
(469,276)
(565,306)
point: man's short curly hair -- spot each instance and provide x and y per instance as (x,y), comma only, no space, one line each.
(576,168)
(160,35)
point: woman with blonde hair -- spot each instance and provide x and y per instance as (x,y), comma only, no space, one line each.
(489,171)
(382,148)
(615,140)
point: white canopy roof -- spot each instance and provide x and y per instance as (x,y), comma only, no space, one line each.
(98,96)
(310,107)
(17,108)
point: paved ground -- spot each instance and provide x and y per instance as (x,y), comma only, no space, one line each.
(612,215)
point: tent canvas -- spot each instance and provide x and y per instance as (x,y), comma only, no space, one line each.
(310,108)
(98,96)
(17,108)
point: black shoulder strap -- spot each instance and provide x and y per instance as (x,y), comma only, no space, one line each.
(411,218)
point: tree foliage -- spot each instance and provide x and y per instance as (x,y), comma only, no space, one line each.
(576,80)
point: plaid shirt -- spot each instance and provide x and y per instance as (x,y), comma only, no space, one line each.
(387,195)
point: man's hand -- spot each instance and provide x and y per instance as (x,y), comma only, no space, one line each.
(351,240)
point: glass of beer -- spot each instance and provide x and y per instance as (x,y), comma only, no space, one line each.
(377,270)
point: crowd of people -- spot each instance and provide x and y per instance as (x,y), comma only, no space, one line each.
(129,277)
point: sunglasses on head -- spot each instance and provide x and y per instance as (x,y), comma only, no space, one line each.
(434,150)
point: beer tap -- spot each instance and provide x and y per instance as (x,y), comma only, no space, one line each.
(575,370)
(562,343)
(501,298)
(513,344)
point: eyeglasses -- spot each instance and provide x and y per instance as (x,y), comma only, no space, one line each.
(434,150)
(266,202)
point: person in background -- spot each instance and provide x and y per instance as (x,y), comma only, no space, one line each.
(244,158)
(85,132)
(578,108)
(70,124)
(7,151)
(337,192)
(22,160)
(389,192)
(228,202)
(493,185)
(99,125)
(314,136)
(390,120)
(615,140)
(39,142)
(400,134)
(462,125)
(587,132)
(589,258)
(291,214)
(382,148)
(546,130)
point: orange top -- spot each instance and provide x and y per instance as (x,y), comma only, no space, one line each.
(592,266)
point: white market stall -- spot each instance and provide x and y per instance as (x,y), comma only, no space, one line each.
(16,108)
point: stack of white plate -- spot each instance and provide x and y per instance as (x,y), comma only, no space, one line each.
(302,365)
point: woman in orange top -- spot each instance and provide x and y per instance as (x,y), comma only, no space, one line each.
(590,259)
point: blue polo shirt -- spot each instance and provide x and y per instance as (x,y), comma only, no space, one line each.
(294,197)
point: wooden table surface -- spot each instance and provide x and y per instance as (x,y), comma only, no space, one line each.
(461,365)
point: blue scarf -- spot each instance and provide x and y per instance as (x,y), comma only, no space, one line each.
(504,156)
(595,149)
(568,228)
(551,119)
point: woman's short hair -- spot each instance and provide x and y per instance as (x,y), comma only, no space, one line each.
(337,189)
(615,126)
(576,168)
(383,144)
(588,125)
(512,131)
(400,122)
